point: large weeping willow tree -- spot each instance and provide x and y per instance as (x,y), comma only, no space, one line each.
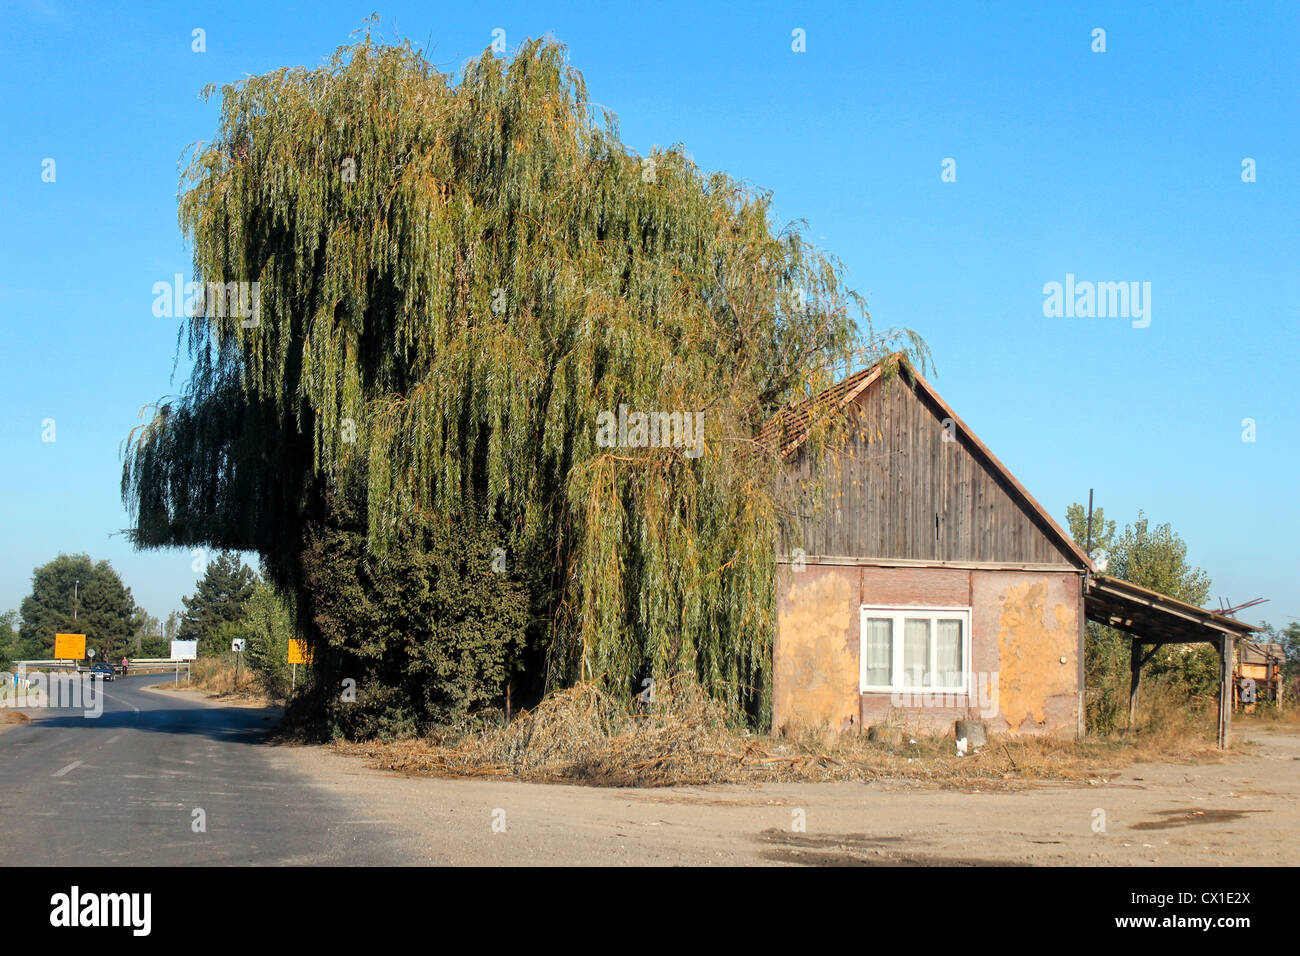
(456,278)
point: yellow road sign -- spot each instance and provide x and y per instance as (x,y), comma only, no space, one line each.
(299,652)
(69,647)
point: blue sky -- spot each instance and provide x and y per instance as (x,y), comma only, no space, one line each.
(1117,166)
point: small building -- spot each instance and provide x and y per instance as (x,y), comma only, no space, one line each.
(929,584)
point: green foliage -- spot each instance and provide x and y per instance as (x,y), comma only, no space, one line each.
(217,640)
(104,608)
(433,631)
(451,320)
(1103,531)
(267,627)
(219,599)
(1154,558)
(146,639)
(154,645)
(1106,650)
(1289,638)
(10,648)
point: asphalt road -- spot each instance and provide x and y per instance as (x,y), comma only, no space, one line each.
(122,789)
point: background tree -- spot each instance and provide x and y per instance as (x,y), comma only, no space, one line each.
(1154,558)
(455,280)
(268,626)
(148,639)
(145,629)
(105,610)
(10,648)
(1103,531)
(1106,650)
(219,599)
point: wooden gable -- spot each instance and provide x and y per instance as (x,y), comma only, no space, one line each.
(915,484)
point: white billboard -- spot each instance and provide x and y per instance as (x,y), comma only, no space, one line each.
(185,650)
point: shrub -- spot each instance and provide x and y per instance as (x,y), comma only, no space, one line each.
(432,632)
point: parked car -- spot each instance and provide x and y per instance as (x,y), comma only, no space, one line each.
(103,669)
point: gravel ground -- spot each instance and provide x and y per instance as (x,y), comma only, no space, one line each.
(1244,811)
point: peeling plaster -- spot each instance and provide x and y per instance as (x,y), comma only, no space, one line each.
(818,656)
(1034,634)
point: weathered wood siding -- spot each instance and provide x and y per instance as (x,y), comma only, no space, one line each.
(901,491)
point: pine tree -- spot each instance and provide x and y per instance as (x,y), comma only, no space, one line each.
(219,599)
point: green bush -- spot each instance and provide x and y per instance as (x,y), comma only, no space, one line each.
(430,633)
(268,626)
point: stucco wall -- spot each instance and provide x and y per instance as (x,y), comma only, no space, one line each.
(1024,646)
(815,655)
(1034,619)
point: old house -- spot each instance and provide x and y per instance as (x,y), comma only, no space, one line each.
(929,583)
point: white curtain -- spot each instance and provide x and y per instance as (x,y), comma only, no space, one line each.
(916,652)
(880,650)
(948,653)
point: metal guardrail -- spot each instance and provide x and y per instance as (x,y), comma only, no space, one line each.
(74,665)
(136,664)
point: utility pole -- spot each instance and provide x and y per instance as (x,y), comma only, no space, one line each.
(1088,550)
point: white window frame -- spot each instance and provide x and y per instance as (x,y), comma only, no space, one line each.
(898,614)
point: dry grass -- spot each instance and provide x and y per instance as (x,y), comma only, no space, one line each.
(1266,717)
(582,735)
(215,676)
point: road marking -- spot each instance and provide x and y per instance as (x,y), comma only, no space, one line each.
(72,766)
(115,738)
(120,701)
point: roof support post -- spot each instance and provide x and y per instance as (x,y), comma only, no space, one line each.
(1135,678)
(1225,689)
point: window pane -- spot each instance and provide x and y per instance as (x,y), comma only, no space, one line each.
(948,654)
(916,652)
(879,650)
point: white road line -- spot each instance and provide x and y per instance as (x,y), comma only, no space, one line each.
(115,738)
(72,766)
(120,701)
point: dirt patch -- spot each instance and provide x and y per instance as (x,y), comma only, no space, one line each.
(659,796)
(1192,816)
(854,849)
(1095,821)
